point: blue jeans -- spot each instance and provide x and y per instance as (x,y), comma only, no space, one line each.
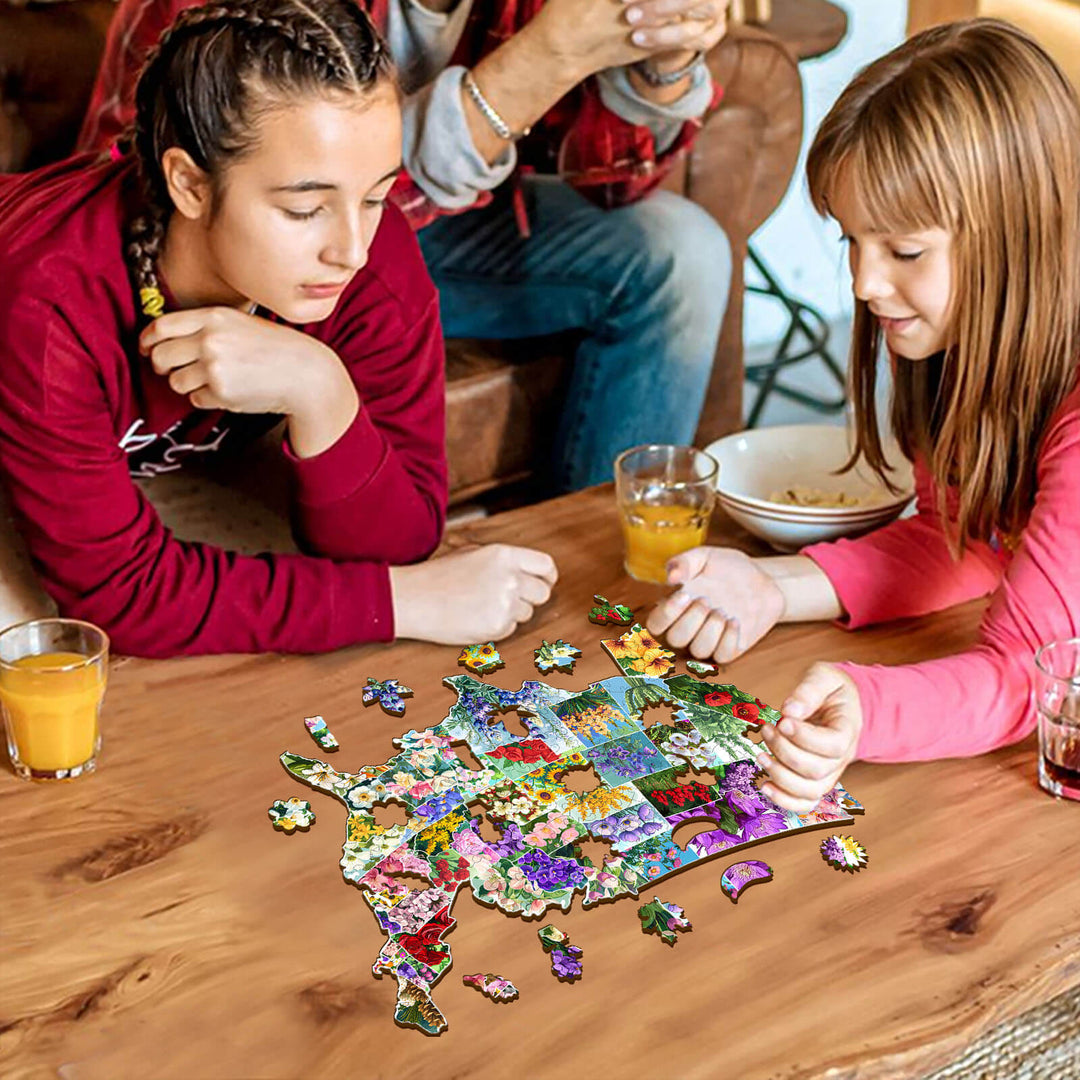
(647,284)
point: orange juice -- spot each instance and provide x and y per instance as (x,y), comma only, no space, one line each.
(51,714)
(654,534)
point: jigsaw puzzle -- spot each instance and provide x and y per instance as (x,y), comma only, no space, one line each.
(647,790)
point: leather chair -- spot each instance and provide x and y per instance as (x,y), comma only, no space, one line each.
(502,398)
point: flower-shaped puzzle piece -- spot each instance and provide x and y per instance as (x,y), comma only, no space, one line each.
(318,730)
(492,986)
(289,814)
(741,875)
(637,652)
(558,654)
(844,853)
(608,614)
(481,658)
(663,919)
(701,668)
(388,694)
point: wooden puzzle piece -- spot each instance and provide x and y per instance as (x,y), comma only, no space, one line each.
(481,658)
(565,958)
(607,614)
(844,853)
(637,652)
(664,919)
(559,654)
(322,735)
(389,694)
(702,668)
(492,986)
(742,875)
(289,814)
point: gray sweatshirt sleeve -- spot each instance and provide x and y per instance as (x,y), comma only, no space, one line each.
(664,121)
(438,148)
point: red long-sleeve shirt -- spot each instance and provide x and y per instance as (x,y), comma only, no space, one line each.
(81,412)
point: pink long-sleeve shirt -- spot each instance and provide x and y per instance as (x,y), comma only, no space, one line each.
(977,700)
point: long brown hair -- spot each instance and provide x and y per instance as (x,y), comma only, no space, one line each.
(971,128)
(202,88)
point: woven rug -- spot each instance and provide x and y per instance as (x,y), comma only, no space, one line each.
(1043,1044)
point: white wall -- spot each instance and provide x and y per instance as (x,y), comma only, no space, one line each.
(803,251)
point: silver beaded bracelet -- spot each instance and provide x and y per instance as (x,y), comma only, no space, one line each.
(498,124)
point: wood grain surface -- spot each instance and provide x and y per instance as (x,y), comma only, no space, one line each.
(154,925)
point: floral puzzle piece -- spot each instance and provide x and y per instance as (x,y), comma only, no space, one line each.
(289,814)
(608,614)
(637,652)
(492,986)
(481,658)
(565,958)
(844,853)
(701,669)
(551,937)
(663,919)
(559,654)
(388,694)
(742,875)
(318,730)
(566,963)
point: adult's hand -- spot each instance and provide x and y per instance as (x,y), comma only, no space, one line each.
(673,31)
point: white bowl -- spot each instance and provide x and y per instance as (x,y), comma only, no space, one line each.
(757,463)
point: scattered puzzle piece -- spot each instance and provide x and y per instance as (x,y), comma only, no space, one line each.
(559,655)
(291,814)
(663,919)
(481,658)
(742,875)
(701,668)
(492,986)
(637,652)
(608,614)
(844,853)
(551,937)
(566,963)
(388,694)
(565,958)
(318,730)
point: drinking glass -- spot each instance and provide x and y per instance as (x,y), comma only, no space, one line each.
(52,681)
(665,496)
(1057,699)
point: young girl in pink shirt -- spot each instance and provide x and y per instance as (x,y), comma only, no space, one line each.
(238,267)
(953,168)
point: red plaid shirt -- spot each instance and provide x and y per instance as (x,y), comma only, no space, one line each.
(607,159)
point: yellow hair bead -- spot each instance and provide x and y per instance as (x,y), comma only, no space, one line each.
(152,300)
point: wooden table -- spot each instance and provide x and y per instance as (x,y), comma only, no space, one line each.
(155,926)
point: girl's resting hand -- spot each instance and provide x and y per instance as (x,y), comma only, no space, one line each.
(725,604)
(815,740)
(470,596)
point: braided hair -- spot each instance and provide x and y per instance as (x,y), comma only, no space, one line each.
(199,91)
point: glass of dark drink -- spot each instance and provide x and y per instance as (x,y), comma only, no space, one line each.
(1057,698)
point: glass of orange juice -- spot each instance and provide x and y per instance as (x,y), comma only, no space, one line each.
(52,680)
(665,495)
